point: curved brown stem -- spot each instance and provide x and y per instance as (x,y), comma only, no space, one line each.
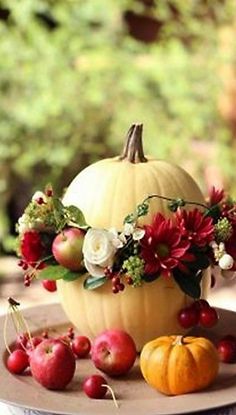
(133,148)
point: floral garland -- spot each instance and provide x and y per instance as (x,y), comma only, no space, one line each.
(180,247)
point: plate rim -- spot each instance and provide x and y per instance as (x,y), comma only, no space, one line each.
(58,317)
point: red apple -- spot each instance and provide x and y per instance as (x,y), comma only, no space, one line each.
(113,352)
(67,248)
(52,364)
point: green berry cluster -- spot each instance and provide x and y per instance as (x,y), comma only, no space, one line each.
(134,268)
(223,230)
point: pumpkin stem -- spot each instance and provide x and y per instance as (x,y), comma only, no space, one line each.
(133,148)
(178,341)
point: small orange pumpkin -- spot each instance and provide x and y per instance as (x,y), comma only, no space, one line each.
(175,364)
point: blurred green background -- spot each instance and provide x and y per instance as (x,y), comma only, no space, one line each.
(75,74)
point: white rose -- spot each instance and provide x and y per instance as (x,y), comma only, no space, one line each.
(94,270)
(98,250)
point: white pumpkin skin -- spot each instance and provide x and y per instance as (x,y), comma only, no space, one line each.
(106,192)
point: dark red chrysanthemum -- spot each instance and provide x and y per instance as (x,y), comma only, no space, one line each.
(215,196)
(31,247)
(195,227)
(162,247)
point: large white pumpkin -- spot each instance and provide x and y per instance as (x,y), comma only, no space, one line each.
(106,192)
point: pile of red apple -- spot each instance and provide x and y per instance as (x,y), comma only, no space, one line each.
(52,361)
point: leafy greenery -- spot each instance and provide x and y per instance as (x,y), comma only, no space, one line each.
(189,284)
(56,272)
(52,215)
(91,283)
(69,71)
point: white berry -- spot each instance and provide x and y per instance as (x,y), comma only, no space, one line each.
(226,261)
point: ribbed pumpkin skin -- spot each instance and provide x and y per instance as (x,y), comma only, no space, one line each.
(175,369)
(106,192)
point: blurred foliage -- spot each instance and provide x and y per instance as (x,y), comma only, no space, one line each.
(72,80)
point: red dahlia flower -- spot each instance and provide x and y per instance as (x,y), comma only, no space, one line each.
(31,247)
(195,227)
(215,196)
(162,247)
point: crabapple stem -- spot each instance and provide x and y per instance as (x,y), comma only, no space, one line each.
(5,333)
(112,394)
(18,319)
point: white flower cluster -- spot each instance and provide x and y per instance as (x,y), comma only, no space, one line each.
(24,223)
(100,246)
(225,261)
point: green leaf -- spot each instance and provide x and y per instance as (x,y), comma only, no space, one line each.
(188,283)
(130,218)
(58,212)
(214,212)
(201,261)
(142,209)
(72,276)
(52,272)
(91,283)
(76,215)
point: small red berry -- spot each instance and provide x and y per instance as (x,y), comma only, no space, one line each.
(49,285)
(188,317)
(108,272)
(121,286)
(81,346)
(25,266)
(93,387)
(18,361)
(40,201)
(115,289)
(27,281)
(129,281)
(208,317)
(115,280)
(21,341)
(227,350)
(49,193)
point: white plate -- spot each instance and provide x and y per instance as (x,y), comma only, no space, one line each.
(134,395)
